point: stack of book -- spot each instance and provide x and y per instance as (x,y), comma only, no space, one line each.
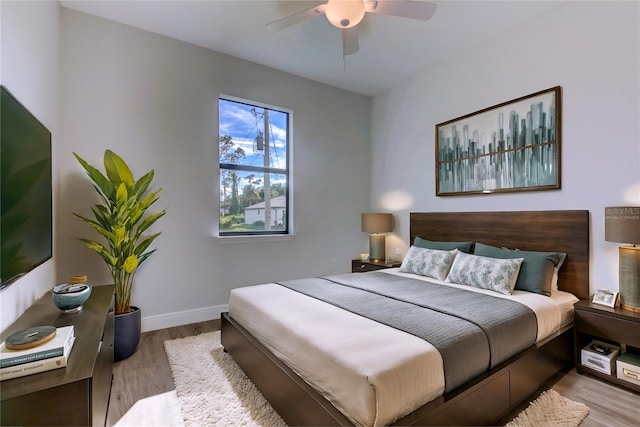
(53,354)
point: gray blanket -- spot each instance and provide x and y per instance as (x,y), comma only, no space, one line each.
(473,332)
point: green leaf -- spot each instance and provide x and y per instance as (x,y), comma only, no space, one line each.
(103,184)
(130,264)
(148,221)
(102,215)
(96,226)
(121,194)
(120,233)
(141,186)
(117,170)
(145,244)
(102,251)
(143,257)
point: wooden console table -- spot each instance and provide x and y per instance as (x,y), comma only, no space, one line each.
(79,393)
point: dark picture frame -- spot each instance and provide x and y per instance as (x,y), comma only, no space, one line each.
(512,146)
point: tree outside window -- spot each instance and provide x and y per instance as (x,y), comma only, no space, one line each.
(254,156)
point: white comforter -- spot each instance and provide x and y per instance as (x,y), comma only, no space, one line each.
(372,373)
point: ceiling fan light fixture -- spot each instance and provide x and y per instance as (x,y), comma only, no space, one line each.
(345,13)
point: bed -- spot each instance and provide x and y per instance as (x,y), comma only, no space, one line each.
(483,399)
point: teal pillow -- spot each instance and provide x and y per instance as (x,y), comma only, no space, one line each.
(536,271)
(443,246)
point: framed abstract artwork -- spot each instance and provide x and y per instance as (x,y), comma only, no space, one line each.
(512,146)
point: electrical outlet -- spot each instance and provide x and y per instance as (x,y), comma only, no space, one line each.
(398,251)
(334,262)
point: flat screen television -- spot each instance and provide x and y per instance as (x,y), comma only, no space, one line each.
(25,190)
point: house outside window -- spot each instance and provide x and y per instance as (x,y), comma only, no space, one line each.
(254,147)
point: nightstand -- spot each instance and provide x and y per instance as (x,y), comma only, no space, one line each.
(612,325)
(358,266)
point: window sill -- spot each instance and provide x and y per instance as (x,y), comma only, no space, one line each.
(253,239)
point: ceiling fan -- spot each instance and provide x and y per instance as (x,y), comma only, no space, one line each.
(347,14)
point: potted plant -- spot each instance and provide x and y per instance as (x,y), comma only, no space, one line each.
(121,222)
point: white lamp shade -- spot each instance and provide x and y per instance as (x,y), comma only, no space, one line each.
(345,13)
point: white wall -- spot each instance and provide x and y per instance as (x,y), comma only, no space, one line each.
(590,49)
(29,70)
(153,100)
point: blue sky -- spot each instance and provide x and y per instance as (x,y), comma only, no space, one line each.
(238,121)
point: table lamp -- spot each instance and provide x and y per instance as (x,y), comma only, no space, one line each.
(622,225)
(375,223)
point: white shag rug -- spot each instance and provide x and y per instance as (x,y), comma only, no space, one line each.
(211,390)
(551,410)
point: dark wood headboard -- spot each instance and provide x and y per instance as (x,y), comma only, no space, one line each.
(547,231)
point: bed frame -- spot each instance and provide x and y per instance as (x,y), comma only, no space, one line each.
(486,399)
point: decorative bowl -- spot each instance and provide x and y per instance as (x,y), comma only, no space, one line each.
(69,297)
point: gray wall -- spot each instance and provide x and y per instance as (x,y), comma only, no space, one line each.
(153,100)
(592,50)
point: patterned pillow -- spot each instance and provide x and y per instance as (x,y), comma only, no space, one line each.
(428,262)
(538,270)
(494,274)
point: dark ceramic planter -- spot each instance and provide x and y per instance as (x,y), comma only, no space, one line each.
(126,333)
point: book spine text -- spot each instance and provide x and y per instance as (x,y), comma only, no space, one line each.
(32,367)
(25,358)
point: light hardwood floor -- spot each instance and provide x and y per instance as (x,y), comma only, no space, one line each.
(147,373)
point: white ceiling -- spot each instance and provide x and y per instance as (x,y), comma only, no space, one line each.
(391,49)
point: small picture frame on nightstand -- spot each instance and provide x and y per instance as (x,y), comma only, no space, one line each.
(605,297)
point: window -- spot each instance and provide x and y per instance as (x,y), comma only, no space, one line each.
(254,168)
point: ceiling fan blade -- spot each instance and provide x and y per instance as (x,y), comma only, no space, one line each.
(402,8)
(296,18)
(350,41)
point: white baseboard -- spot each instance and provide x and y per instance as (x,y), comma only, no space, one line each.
(179,318)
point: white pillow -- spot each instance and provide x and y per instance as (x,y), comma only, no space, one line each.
(554,279)
(494,274)
(428,262)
